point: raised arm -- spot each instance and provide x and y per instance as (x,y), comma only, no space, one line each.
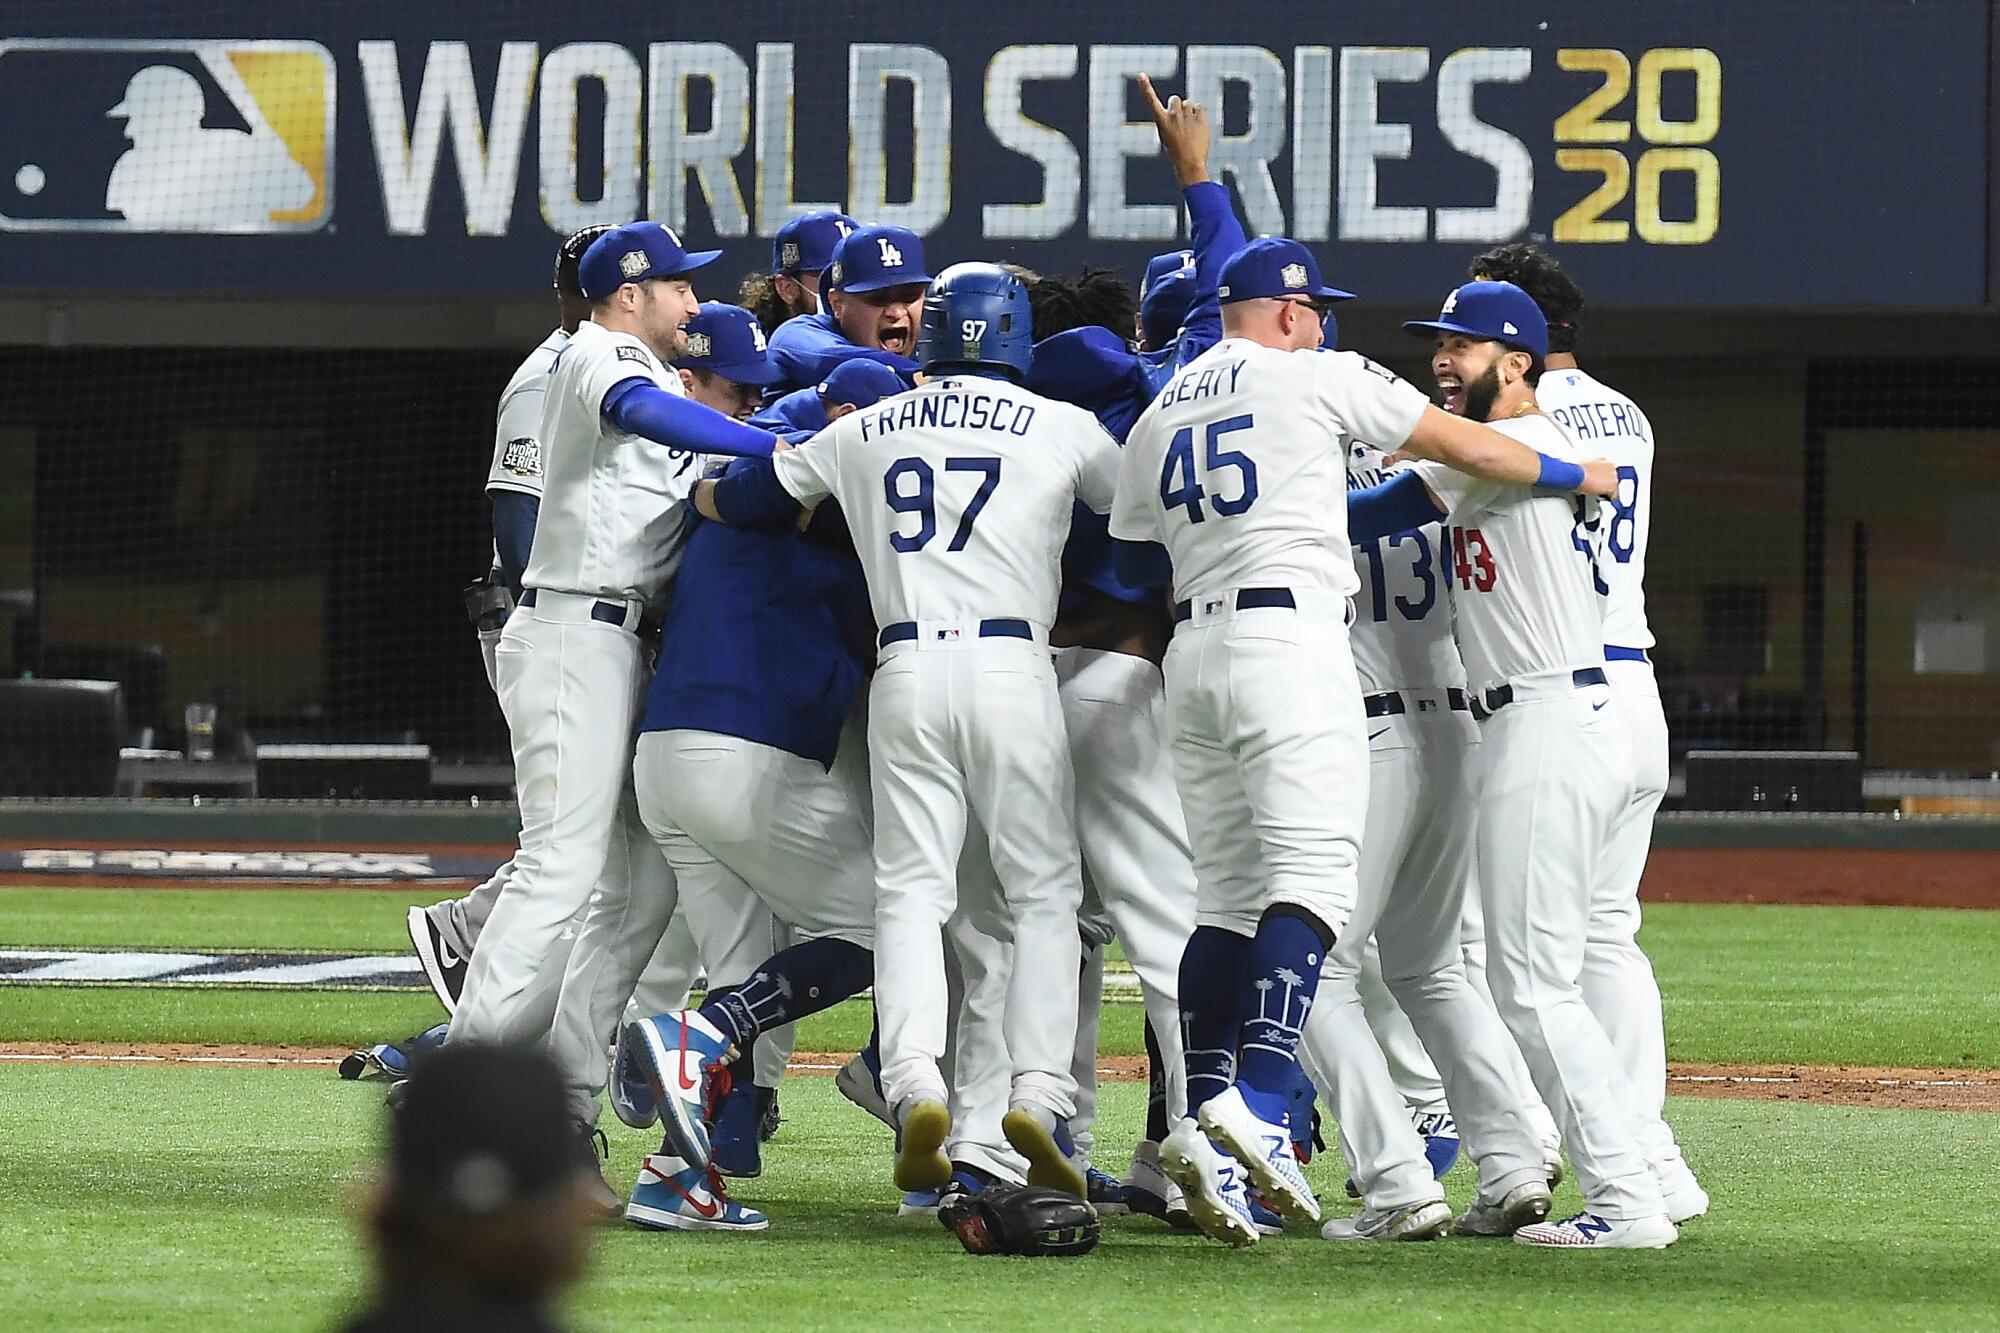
(1215,232)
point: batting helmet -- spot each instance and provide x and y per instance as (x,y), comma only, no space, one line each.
(976,316)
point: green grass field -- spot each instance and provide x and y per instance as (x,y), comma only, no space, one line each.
(191,1198)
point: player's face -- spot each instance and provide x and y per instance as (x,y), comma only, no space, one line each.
(1467,371)
(886,318)
(799,292)
(668,305)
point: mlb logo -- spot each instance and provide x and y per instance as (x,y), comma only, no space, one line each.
(221,137)
(947,634)
(1214,605)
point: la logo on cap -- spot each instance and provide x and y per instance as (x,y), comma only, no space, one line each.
(1450,303)
(1293,275)
(632,263)
(757,335)
(699,344)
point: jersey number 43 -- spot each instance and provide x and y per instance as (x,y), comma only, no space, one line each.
(1181,478)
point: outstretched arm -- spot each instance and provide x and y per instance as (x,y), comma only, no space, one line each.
(1469,447)
(642,407)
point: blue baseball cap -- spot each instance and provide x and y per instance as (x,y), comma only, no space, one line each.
(635,252)
(1164,307)
(860,382)
(728,340)
(1273,266)
(1492,311)
(871,258)
(1160,266)
(806,243)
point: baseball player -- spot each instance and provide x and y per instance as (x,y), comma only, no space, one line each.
(1240,468)
(443,934)
(800,252)
(621,446)
(1165,297)
(871,293)
(1618,981)
(958,493)
(1416,854)
(1554,764)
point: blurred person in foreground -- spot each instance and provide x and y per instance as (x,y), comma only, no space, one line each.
(478,1220)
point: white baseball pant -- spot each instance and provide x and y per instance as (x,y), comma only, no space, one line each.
(1415,853)
(1270,758)
(1132,833)
(979,942)
(962,725)
(1410,1065)
(1554,768)
(1618,981)
(570,686)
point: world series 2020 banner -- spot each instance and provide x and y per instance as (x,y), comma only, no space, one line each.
(1694,153)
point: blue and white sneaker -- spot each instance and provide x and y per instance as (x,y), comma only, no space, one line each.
(1211,1184)
(671,1195)
(861,1083)
(1106,1193)
(675,1054)
(736,1141)
(1588,1231)
(1440,1135)
(920,1203)
(1264,1149)
(1039,1135)
(632,1099)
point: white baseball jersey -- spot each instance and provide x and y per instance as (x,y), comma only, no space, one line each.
(1402,614)
(517,431)
(1607,424)
(613,504)
(958,495)
(1521,567)
(1240,465)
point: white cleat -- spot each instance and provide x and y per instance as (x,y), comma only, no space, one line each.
(1522,1206)
(1265,1150)
(1418,1221)
(1588,1231)
(1687,1203)
(858,1086)
(1149,1190)
(1211,1184)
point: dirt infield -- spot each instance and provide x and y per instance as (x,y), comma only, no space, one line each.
(1841,877)
(1902,1089)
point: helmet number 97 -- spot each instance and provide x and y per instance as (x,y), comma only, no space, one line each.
(972,330)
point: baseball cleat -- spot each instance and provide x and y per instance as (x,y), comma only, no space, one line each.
(920,1203)
(1211,1183)
(863,1086)
(1262,1216)
(734,1146)
(1106,1193)
(1687,1203)
(443,968)
(1440,1135)
(675,1054)
(1418,1221)
(1588,1231)
(632,1099)
(1039,1136)
(1149,1191)
(673,1196)
(1522,1206)
(920,1160)
(1265,1150)
(600,1201)
(769,1119)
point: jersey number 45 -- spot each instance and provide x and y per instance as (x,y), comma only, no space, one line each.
(1181,479)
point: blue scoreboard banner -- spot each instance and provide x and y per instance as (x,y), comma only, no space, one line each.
(1701,152)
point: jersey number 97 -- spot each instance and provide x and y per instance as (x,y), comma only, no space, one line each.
(921,499)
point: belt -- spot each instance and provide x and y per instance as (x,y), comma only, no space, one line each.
(611,613)
(1615,654)
(1247,599)
(1389,703)
(904,631)
(1497,698)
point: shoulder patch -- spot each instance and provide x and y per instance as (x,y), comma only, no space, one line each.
(522,457)
(629,353)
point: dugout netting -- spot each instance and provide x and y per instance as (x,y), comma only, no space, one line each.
(267,268)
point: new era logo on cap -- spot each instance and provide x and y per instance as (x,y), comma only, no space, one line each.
(1508,326)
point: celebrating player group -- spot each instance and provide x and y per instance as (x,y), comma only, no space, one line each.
(929,632)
